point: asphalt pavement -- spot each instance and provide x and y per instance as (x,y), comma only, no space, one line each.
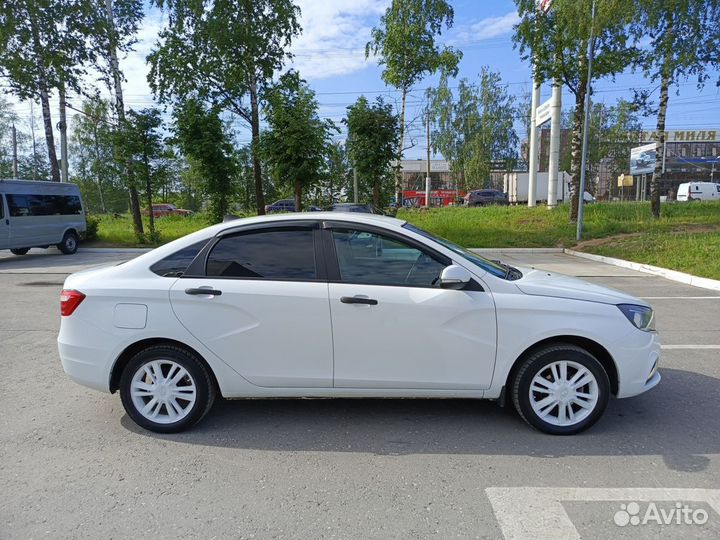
(72,464)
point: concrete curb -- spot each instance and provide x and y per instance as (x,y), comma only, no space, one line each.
(517,250)
(673,275)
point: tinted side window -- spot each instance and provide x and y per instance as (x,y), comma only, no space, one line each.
(270,254)
(373,259)
(175,265)
(2,206)
(43,205)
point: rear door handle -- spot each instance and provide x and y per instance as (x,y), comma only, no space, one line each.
(358,300)
(203,291)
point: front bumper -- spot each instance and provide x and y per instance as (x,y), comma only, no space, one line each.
(637,360)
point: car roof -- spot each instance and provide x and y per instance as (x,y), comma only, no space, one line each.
(368,219)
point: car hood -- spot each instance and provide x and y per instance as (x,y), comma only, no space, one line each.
(543,283)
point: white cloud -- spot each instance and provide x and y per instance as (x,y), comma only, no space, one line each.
(334,36)
(487,28)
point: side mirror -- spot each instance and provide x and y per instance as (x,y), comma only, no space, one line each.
(454,277)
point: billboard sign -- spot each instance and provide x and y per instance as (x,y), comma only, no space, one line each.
(642,159)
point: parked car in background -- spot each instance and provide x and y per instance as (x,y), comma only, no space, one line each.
(40,214)
(698,191)
(166,209)
(342,305)
(287,205)
(484,197)
(356,207)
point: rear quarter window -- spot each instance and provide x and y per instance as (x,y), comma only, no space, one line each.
(174,265)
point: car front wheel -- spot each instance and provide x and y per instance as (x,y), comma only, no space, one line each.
(19,251)
(561,389)
(166,389)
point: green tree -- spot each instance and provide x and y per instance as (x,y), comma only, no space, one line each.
(297,140)
(92,148)
(143,146)
(337,177)
(557,44)
(115,29)
(683,41)
(43,47)
(200,135)
(475,130)
(372,146)
(225,52)
(405,42)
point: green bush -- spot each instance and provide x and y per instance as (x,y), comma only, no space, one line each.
(93,223)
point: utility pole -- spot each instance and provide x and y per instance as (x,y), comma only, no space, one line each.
(62,126)
(583,164)
(554,158)
(427,174)
(532,161)
(15,152)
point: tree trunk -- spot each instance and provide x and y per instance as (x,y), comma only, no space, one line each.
(255,128)
(660,128)
(576,141)
(148,188)
(97,171)
(376,194)
(298,195)
(401,143)
(120,111)
(49,137)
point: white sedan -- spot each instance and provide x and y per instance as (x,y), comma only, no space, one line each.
(349,305)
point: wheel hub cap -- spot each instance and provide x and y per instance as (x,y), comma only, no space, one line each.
(163,391)
(564,393)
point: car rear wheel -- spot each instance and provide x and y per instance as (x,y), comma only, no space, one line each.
(19,251)
(166,389)
(69,243)
(561,389)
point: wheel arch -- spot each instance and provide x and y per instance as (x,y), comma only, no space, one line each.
(131,350)
(593,347)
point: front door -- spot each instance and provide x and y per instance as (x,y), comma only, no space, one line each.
(266,310)
(394,327)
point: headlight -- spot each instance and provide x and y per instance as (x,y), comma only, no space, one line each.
(641,317)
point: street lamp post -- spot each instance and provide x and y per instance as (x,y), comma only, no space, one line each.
(583,165)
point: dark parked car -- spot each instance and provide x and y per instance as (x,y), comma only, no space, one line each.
(356,207)
(483,197)
(287,205)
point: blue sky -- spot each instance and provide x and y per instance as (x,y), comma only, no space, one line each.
(330,56)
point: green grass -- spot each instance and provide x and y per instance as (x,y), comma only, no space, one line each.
(520,226)
(118,230)
(695,253)
(685,238)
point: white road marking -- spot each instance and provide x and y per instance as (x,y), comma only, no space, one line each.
(690,346)
(532,512)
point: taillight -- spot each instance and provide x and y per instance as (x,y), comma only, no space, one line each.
(69,301)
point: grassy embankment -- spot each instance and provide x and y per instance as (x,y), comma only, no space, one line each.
(685,238)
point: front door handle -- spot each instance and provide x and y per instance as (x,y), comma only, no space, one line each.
(358,300)
(204,291)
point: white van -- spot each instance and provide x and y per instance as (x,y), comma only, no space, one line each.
(40,214)
(698,191)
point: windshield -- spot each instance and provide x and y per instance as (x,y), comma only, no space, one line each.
(496,268)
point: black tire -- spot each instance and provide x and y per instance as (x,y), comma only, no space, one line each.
(204,384)
(19,251)
(69,243)
(535,364)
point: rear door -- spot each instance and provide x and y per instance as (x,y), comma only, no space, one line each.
(260,303)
